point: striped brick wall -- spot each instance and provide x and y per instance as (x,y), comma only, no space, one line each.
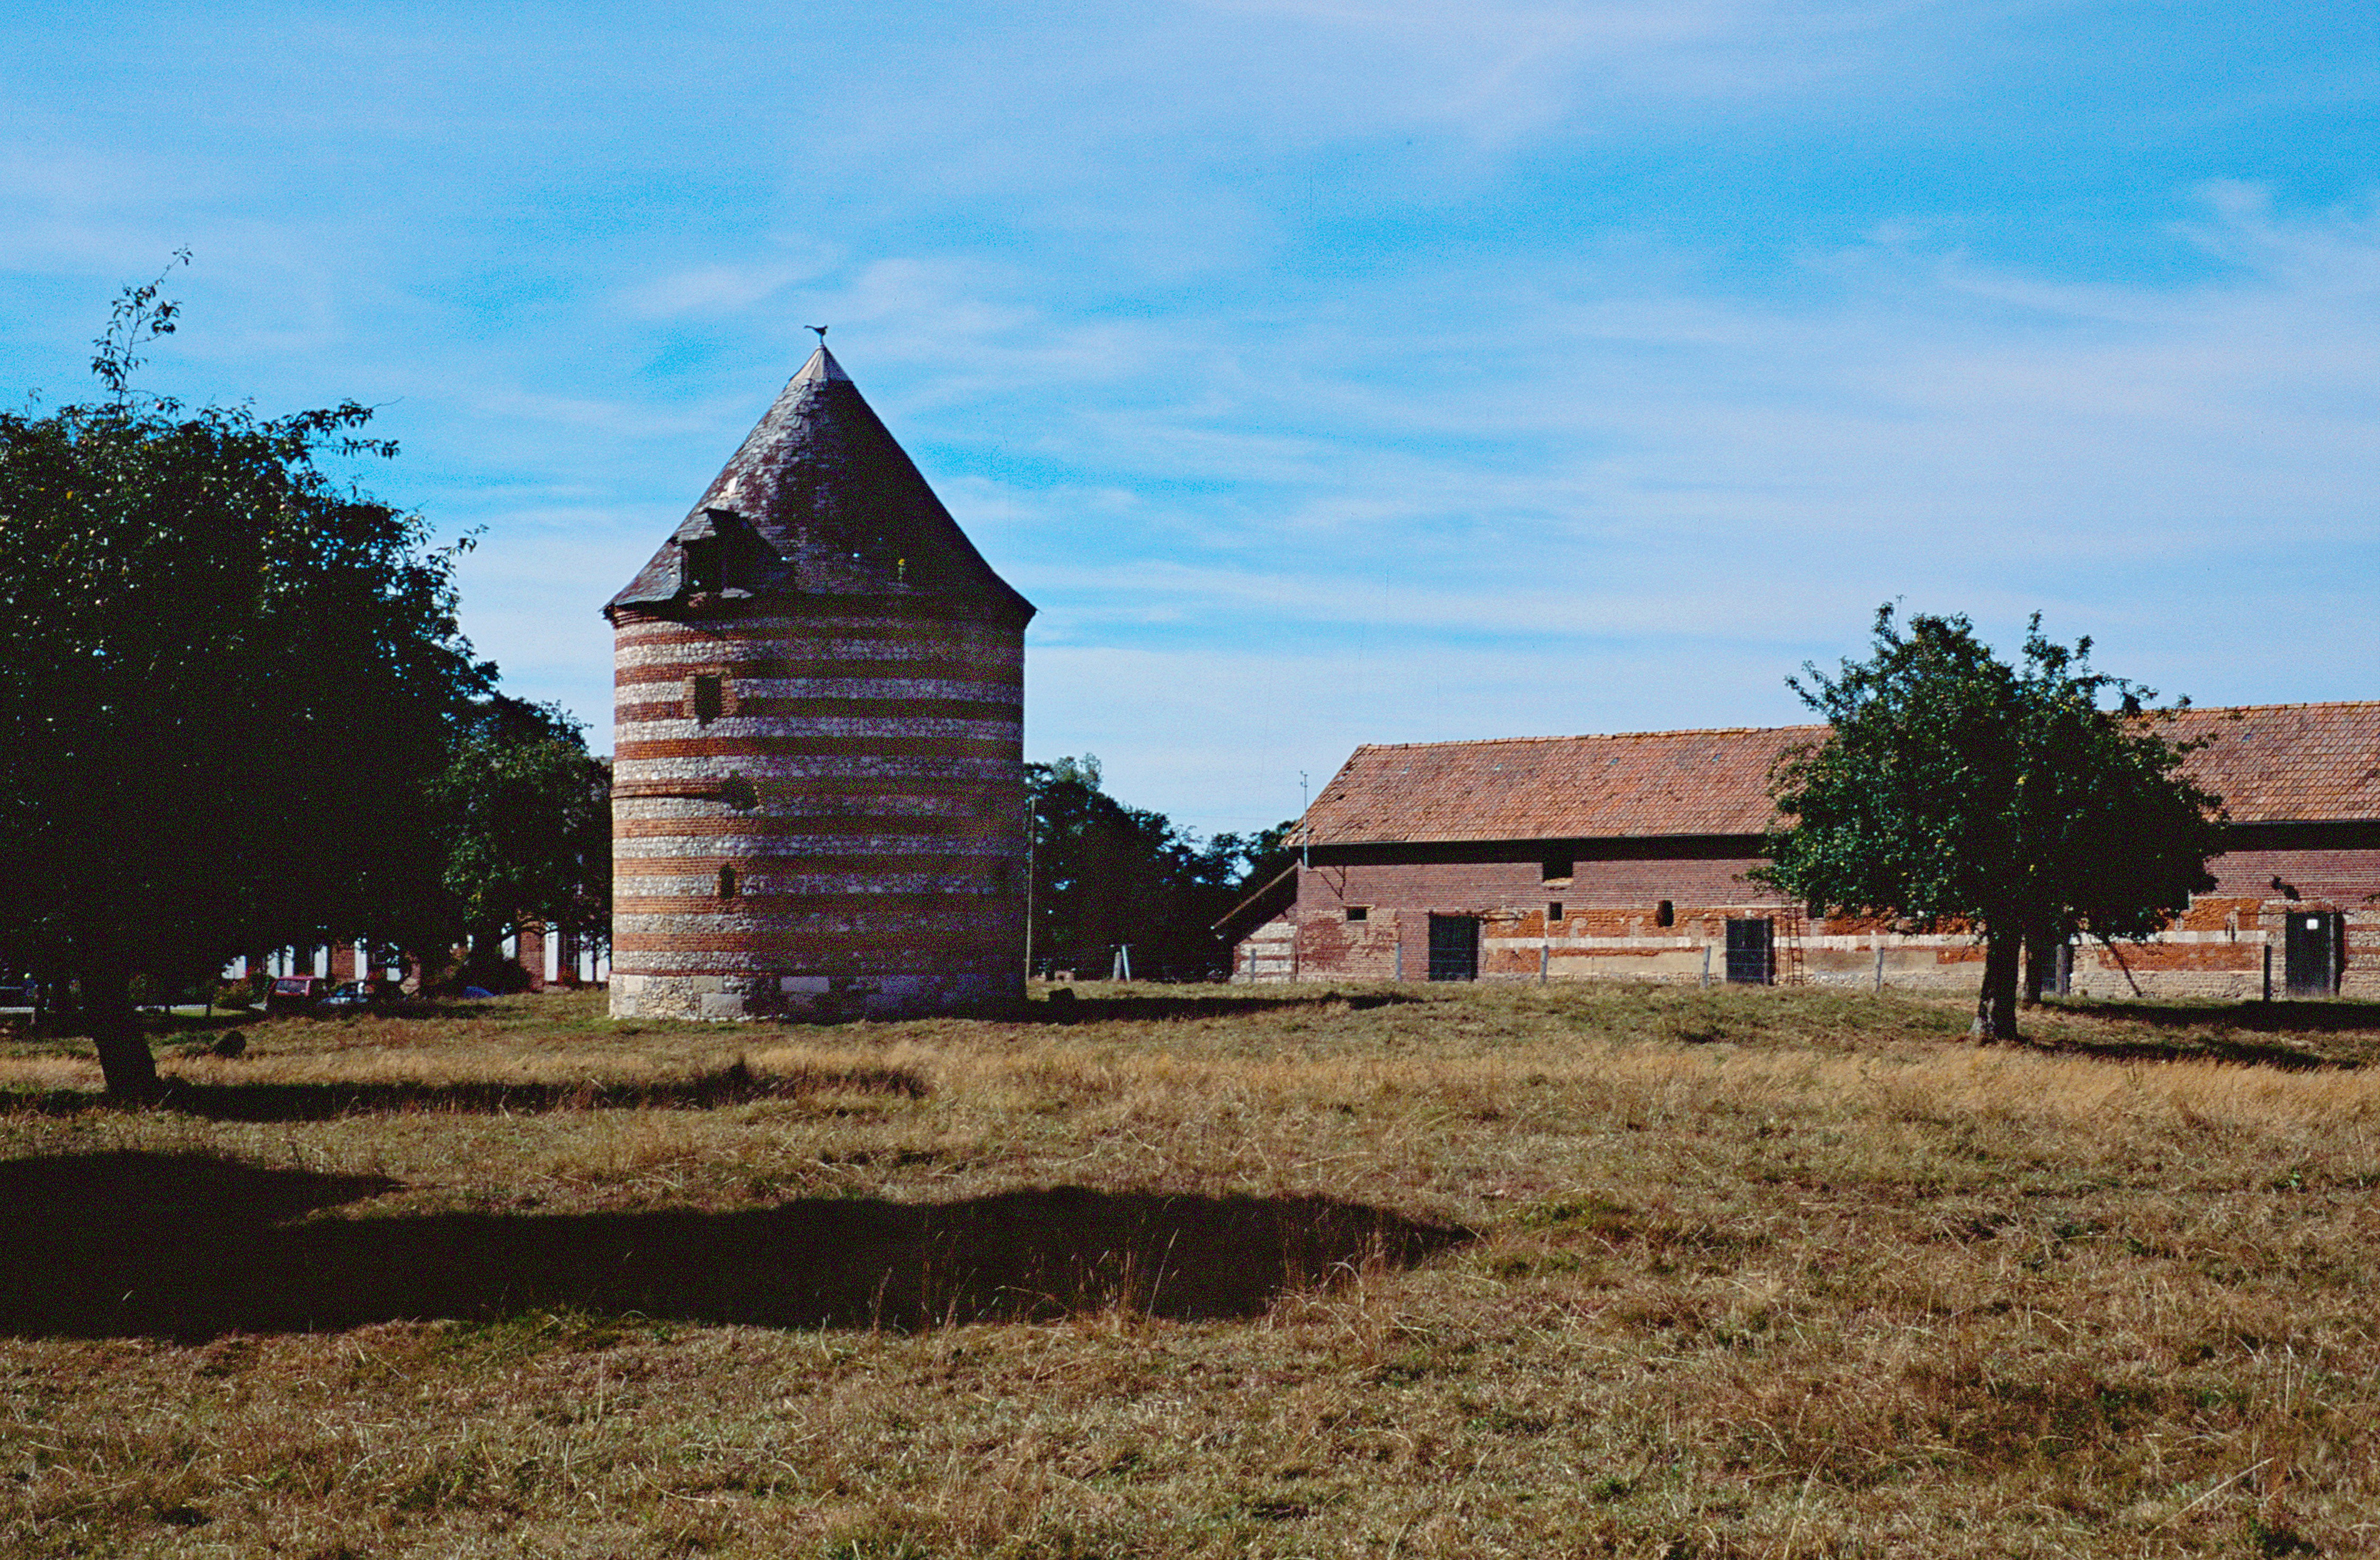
(844,835)
(1611,925)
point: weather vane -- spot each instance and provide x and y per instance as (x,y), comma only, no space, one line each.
(821,333)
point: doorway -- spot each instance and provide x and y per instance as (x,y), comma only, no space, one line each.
(1453,947)
(2311,947)
(1751,951)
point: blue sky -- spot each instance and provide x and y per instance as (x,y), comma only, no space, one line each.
(1326,371)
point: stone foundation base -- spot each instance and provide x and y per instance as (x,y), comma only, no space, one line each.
(735,998)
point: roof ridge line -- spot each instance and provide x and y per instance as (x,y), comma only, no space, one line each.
(1812,726)
(1591,737)
(2297,705)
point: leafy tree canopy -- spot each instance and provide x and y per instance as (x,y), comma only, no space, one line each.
(1106,874)
(528,815)
(2032,802)
(225,679)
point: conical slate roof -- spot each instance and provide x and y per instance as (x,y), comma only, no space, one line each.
(822,501)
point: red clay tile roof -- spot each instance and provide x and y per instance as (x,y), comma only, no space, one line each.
(1556,788)
(2270,763)
(2275,763)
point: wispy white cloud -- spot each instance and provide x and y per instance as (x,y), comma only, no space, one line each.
(2141,463)
(723,287)
(1328,369)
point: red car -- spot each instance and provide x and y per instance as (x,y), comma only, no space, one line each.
(296,993)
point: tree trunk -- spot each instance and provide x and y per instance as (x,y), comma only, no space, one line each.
(1995,1004)
(114,1028)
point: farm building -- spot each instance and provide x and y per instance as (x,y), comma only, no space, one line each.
(819,784)
(548,957)
(1581,857)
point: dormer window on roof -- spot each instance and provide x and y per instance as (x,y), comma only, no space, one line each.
(715,551)
(706,565)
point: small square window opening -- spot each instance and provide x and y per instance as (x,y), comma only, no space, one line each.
(1664,914)
(1359,912)
(1558,867)
(710,696)
(727,882)
(1554,911)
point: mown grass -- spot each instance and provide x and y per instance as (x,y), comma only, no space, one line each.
(1201,1272)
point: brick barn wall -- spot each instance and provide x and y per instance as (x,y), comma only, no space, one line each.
(2344,879)
(1268,952)
(1609,926)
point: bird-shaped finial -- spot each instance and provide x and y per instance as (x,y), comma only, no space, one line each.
(821,333)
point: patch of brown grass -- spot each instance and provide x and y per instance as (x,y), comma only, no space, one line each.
(1748,1273)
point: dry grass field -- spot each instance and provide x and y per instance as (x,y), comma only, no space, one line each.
(1495,1271)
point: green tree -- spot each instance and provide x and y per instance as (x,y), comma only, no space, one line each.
(1105,873)
(1952,788)
(226,681)
(1267,854)
(528,810)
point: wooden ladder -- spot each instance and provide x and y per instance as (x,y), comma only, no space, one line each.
(1791,926)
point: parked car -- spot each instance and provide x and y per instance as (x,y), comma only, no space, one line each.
(354,994)
(296,993)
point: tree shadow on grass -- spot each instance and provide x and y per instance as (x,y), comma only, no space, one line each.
(2327,1016)
(2308,1036)
(2203,1048)
(135,1244)
(1065,1006)
(732,1085)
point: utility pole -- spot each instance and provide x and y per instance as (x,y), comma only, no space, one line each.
(1304,835)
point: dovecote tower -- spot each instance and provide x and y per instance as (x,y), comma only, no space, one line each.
(818,783)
